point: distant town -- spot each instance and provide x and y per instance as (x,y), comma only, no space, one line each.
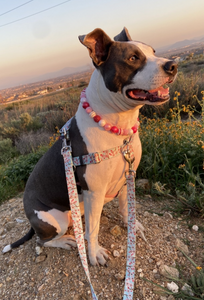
(40,88)
(33,90)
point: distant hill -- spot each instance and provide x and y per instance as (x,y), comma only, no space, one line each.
(62,72)
(183,45)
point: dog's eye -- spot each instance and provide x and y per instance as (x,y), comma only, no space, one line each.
(133,58)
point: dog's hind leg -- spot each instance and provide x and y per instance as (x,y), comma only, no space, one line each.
(51,227)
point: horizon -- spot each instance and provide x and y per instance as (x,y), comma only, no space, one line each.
(45,40)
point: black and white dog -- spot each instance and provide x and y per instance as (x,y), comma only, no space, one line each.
(127,76)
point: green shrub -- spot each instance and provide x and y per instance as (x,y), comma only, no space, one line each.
(7,151)
(13,176)
(173,154)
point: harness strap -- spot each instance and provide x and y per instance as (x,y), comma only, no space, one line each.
(96,157)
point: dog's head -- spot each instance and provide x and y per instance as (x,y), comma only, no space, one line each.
(130,67)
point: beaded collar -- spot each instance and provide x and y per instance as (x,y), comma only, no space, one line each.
(102,123)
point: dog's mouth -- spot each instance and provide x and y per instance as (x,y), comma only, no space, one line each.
(160,94)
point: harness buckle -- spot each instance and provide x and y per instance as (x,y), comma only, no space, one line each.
(95,157)
(66,148)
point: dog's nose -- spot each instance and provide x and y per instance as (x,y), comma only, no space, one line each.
(170,67)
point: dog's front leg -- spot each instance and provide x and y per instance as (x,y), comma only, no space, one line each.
(123,210)
(93,205)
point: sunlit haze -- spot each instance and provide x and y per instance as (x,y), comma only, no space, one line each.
(48,41)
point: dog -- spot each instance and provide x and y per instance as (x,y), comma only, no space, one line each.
(127,75)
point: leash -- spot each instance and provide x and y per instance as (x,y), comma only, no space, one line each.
(75,209)
(69,163)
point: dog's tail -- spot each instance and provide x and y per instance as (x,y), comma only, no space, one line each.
(24,239)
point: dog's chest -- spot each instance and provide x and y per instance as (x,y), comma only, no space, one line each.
(108,175)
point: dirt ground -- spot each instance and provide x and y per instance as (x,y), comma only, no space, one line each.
(58,274)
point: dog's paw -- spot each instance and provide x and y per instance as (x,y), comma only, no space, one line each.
(64,242)
(99,256)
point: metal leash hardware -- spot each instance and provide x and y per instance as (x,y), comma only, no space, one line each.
(65,140)
(130,161)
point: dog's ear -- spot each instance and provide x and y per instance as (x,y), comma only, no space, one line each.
(124,36)
(98,44)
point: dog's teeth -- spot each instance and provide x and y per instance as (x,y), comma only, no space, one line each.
(158,93)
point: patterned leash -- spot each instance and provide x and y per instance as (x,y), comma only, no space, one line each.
(77,223)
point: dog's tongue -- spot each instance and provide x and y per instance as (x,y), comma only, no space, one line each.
(152,95)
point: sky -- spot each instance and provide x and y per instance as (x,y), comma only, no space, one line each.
(48,41)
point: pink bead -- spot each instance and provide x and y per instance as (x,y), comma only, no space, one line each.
(114,129)
(107,127)
(85,105)
(92,114)
(125,131)
(83,99)
(134,129)
(102,123)
(97,118)
(88,110)
(130,131)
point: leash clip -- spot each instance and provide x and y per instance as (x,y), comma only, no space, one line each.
(130,161)
(127,157)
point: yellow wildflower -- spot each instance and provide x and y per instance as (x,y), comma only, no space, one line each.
(199,268)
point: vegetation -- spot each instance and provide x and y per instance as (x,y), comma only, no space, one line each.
(172,137)
(189,287)
(173,155)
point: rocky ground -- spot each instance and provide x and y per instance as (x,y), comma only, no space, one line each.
(58,274)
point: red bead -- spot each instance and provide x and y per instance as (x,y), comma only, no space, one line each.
(114,129)
(134,129)
(85,105)
(97,118)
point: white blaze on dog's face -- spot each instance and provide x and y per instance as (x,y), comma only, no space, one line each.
(130,68)
(147,84)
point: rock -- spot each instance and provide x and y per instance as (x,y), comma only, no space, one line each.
(120,275)
(195,227)
(40,258)
(148,197)
(1,231)
(116,230)
(171,298)
(104,220)
(139,270)
(40,287)
(173,287)
(10,225)
(143,184)
(146,214)
(116,253)
(167,215)
(181,246)
(18,220)
(187,290)
(38,250)
(169,272)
